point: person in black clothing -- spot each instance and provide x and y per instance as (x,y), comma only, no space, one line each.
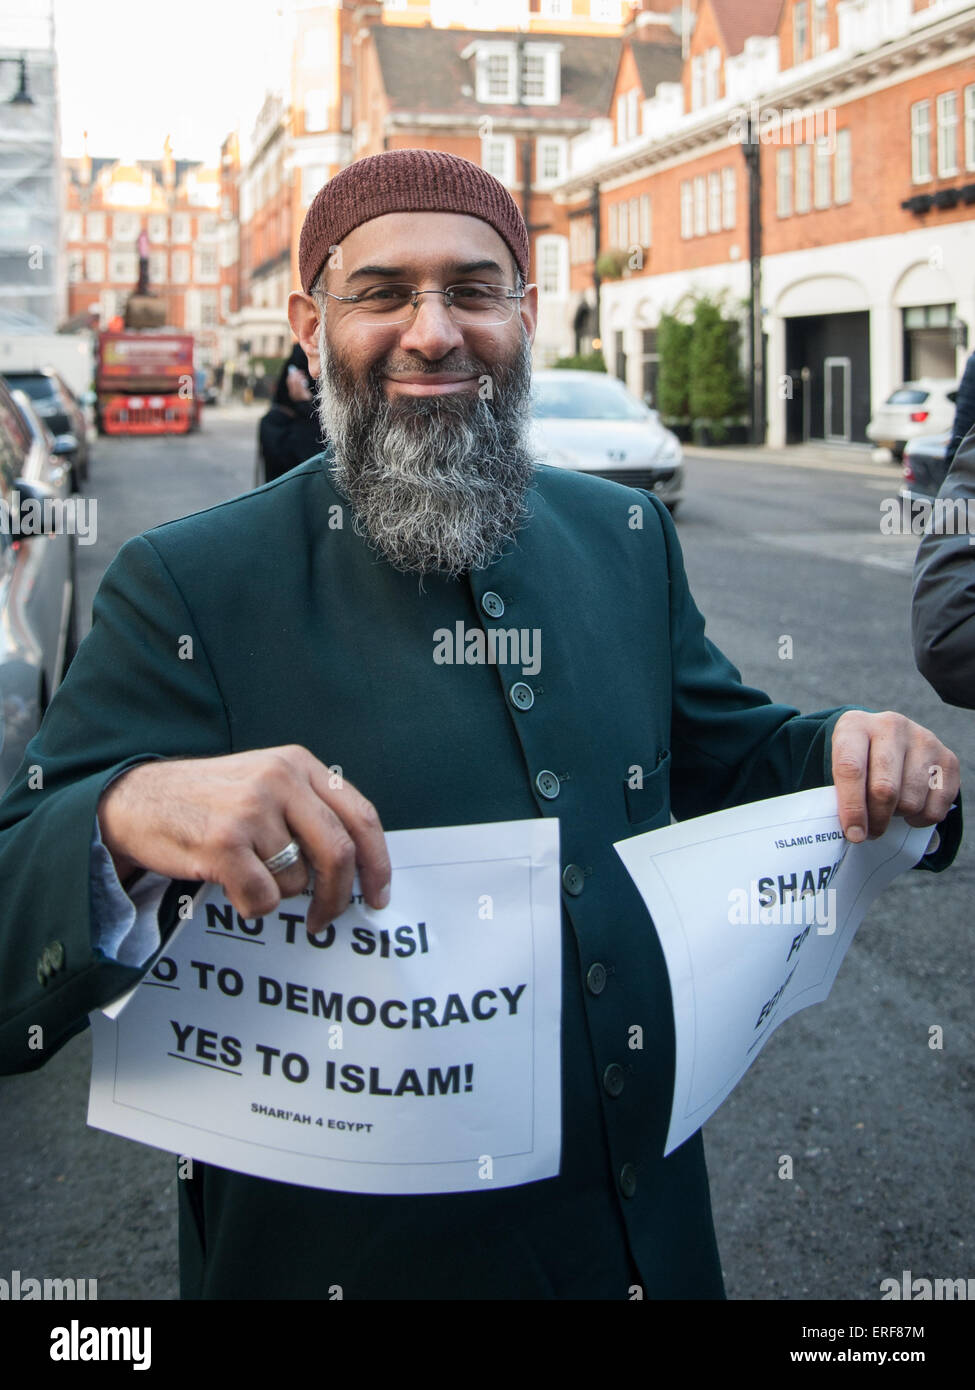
(289,433)
(964,410)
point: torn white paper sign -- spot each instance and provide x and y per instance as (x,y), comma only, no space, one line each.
(410,1050)
(755,909)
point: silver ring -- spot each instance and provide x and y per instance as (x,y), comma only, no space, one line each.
(283,859)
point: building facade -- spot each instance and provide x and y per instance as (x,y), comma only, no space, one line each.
(188,210)
(861,114)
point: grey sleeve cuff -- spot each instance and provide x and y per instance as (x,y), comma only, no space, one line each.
(125,925)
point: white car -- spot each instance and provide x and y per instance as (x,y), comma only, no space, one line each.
(925,406)
(590,422)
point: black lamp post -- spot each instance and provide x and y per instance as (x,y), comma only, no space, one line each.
(22,96)
(752,151)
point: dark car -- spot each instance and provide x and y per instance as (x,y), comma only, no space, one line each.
(61,412)
(37,575)
(924,466)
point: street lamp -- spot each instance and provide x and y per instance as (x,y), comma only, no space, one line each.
(752,151)
(22,96)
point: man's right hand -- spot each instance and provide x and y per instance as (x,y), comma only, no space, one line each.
(218,819)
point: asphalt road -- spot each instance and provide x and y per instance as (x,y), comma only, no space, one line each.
(879,1125)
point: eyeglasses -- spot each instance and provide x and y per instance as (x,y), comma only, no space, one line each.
(470,304)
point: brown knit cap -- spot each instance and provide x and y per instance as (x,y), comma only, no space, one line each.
(406,181)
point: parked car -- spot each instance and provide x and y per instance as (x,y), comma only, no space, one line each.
(925,406)
(590,422)
(61,412)
(925,466)
(37,578)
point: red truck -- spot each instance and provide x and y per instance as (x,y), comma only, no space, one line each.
(145,382)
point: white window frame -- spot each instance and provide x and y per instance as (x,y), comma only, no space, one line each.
(646,220)
(206,270)
(345,112)
(633,238)
(700,205)
(729,197)
(226,302)
(485,55)
(800,25)
(74,227)
(76,267)
(95,226)
(623,224)
(686,210)
(921,141)
(158,228)
(503,169)
(209,309)
(605,11)
(549,248)
(543,147)
(95,267)
(947,116)
(820,27)
(843,173)
(822,173)
(613,225)
(804,162)
(179,268)
(556,9)
(714,201)
(182,228)
(783,183)
(158,267)
(712,75)
(969,118)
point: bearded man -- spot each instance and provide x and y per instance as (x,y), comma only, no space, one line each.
(309,608)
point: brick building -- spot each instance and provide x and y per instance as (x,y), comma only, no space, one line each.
(440,75)
(188,210)
(863,117)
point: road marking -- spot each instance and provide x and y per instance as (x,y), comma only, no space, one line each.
(855,547)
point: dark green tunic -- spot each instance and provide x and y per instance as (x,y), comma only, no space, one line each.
(300,634)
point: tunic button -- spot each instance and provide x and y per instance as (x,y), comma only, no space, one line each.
(573,879)
(548,785)
(596,978)
(521,695)
(613,1079)
(492,604)
(628,1180)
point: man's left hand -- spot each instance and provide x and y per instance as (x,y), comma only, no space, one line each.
(885,765)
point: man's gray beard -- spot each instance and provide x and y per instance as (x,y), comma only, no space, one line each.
(436,483)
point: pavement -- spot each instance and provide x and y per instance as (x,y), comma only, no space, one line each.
(862,459)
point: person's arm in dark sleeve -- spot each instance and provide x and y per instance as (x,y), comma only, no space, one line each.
(139,687)
(964,410)
(943,608)
(730,744)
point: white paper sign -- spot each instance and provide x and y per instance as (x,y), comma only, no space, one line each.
(755,909)
(412,1050)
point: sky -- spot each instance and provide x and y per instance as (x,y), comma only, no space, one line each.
(131,72)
